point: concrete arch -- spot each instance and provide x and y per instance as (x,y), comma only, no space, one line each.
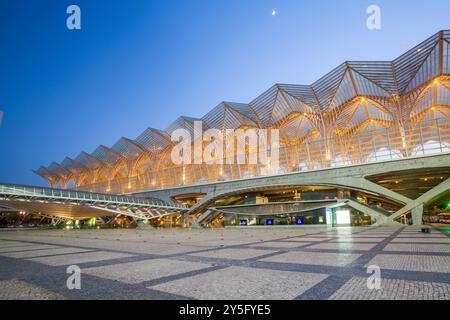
(350,177)
(351,183)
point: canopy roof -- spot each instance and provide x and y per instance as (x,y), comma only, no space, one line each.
(299,110)
(230,115)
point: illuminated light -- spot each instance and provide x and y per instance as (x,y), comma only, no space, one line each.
(363,99)
(397,182)
(343,217)
(305,114)
(329,216)
(92,222)
(436,82)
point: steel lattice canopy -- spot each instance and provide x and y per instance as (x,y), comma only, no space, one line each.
(88,160)
(154,140)
(355,105)
(73,166)
(107,155)
(129,149)
(229,115)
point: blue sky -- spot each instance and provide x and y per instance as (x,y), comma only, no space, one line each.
(138,64)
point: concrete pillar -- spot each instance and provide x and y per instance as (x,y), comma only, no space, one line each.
(195,225)
(381,220)
(185,220)
(143,224)
(204,216)
(416,206)
(417,215)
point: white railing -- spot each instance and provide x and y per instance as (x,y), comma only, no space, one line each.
(58,194)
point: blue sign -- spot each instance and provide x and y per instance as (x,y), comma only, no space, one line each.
(299,220)
(269,222)
(244,222)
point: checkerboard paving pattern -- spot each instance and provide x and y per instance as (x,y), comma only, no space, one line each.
(243,283)
(314,258)
(238,263)
(136,272)
(414,247)
(41,252)
(19,290)
(392,289)
(427,263)
(238,254)
(77,258)
(344,246)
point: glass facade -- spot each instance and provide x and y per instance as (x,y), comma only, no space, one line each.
(324,216)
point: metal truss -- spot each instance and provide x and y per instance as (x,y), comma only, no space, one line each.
(64,204)
(55,219)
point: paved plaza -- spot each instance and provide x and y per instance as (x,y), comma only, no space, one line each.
(264,263)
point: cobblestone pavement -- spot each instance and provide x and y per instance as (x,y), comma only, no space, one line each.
(278,263)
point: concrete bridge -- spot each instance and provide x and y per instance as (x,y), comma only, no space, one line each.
(356,177)
(68,204)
